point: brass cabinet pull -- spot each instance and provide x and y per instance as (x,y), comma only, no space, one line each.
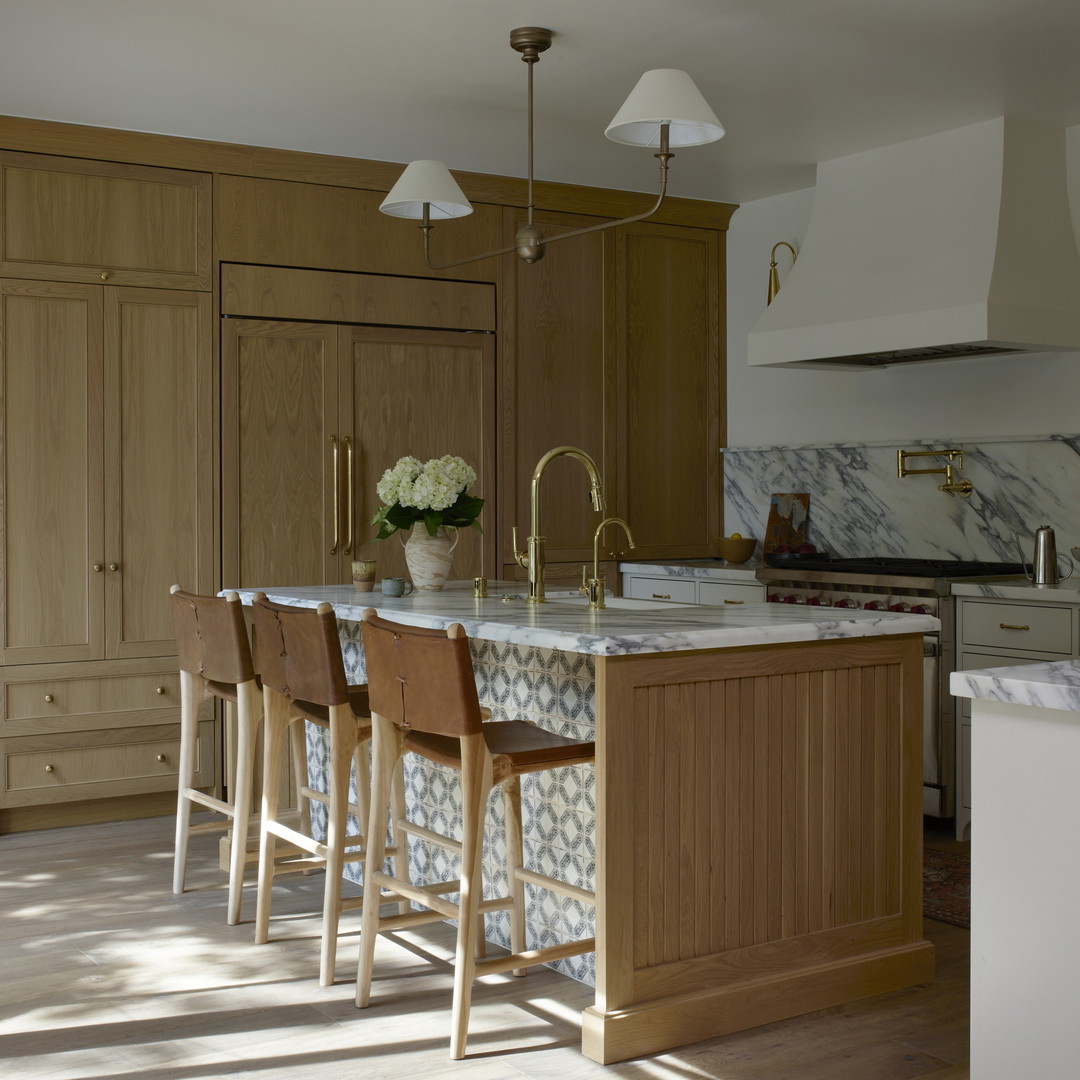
(161,757)
(104,275)
(661,596)
(337,494)
(348,496)
(1012,626)
(98,567)
(50,768)
(734,601)
(114,566)
(159,690)
(49,698)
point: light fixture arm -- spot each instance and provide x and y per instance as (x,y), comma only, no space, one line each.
(774,278)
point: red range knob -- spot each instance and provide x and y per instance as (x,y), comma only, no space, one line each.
(920,609)
(816,601)
(773,598)
(791,598)
(845,602)
(899,607)
(874,605)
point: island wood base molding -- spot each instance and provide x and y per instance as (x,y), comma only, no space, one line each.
(661,1025)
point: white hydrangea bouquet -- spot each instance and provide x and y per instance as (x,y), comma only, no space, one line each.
(433,492)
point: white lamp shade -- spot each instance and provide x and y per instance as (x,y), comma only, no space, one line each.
(426,182)
(665,96)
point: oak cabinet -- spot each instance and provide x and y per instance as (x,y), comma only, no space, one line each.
(314,414)
(65,219)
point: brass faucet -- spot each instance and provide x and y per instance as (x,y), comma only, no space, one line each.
(532,559)
(593,587)
(954,485)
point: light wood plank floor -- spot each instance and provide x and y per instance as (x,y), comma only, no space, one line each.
(104,973)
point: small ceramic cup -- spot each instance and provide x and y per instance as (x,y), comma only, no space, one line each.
(396,586)
(363,575)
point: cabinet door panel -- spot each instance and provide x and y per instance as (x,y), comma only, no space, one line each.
(53,518)
(424,393)
(279,385)
(159,462)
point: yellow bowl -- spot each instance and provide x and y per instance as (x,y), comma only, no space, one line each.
(732,550)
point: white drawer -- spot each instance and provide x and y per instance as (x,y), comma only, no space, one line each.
(1028,628)
(681,590)
(727,592)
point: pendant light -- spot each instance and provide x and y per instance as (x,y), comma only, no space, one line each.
(664,110)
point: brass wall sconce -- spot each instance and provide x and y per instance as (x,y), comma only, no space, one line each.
(954,484)
(774,278)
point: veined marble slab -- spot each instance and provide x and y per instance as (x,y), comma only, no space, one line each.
(566,624)
(1045,686)
(1064,592)
(712,569)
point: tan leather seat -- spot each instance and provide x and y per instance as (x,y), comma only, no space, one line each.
(298,653)
(423,700)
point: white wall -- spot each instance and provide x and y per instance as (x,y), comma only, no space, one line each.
(1025,395)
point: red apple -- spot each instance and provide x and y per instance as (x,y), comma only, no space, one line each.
(806,549)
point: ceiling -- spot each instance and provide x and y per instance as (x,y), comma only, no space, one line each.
(793,81)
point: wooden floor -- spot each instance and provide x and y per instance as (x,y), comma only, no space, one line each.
(104,973)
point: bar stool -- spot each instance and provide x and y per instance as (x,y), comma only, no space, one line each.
(215,662)
(424,701)
(298,653)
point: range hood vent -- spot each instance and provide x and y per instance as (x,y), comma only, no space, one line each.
(946,247)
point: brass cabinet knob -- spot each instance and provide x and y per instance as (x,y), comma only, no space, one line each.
(159,689)
(114,566)
(49,698)
(97,568)
(104,275)
(50,768)
(161,757)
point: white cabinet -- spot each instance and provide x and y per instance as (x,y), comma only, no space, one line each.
(692,590)
(1003,633)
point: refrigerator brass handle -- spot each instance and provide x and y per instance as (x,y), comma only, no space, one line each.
(349,495)
(1012,626)
(337,494)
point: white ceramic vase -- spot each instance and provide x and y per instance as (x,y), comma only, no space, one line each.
(430,557)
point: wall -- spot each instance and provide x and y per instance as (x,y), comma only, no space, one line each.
(989,406)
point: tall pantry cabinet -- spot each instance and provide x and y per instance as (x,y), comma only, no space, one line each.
(106,368)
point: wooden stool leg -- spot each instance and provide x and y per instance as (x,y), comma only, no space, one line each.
(515,857)
(385,752)
(339,766)
(298,757)
(192,695)
(275,722)
(476,782)
(398,836)
(247,711)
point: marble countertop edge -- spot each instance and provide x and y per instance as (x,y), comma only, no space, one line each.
(1051,685)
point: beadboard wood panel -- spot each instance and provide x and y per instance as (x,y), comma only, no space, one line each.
(274,292)
(759,837)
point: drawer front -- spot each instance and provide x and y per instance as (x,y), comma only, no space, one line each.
(728,593)
(681,590)
(56,704)
(99,764)
(1038,628)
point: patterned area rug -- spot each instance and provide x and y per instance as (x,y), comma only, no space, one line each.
(947,887)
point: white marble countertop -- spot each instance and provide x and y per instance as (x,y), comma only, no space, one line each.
(1064,592)
(626,626)
(714,569)
(1047,686)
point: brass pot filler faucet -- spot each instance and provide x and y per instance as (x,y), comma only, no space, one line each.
(954,483)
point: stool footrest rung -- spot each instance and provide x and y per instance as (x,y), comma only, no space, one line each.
(447,842)
(497,964)
(306,843)
(428,895)
(200,797)
(322,797)
(543,881)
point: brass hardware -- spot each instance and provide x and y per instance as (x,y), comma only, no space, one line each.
(97,568)
(49,698)
(104,275)
(337,494)
(661,596)
(159,690)
(593,587)
(50,768)
(734,601)
(161,757)
(532,559)
(954,484)
(774,278)
(1012,626)
(349,494)
(114,567)
(479,588)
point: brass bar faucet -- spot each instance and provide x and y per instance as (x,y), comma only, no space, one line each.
(532,559)
(593,587)
(954,484)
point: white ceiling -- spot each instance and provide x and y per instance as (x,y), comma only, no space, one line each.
(793,81)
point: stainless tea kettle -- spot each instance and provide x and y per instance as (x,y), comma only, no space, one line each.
(1044,559)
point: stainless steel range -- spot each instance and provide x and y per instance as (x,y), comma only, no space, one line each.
(896,584)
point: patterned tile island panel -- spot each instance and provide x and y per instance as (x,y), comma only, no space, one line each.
(859,507)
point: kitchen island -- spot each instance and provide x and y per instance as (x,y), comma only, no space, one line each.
(753,826)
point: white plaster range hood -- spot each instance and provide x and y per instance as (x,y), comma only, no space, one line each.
(944,247)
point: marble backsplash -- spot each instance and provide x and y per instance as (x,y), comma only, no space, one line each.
(859,507)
